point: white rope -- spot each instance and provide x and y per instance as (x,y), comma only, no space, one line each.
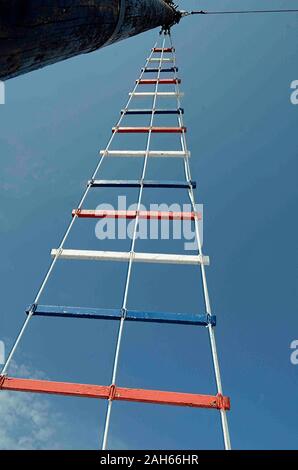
(129,271)
(65,237)
(187,171)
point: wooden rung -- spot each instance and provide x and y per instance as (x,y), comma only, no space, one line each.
(161,59)
(162,94)
(146,184)
(114,392)
(146,130)
(147,215)
(156,70)
(142,153)
(89,255)
(150,111)
(165,49)
(160,81)
(56,311)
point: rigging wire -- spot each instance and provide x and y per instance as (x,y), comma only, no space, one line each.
(229,12)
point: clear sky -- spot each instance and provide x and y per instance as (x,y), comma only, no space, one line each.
(236,73)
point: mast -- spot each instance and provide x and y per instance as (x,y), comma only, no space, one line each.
(34,33)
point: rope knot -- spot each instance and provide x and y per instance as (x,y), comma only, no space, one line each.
(112,393)
(2,379)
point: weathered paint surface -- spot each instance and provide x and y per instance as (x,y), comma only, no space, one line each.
(112,392)
(36,33)
(117,314)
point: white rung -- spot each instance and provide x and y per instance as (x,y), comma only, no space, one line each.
(165,94)
(142,153)
(160,59)
(125,256)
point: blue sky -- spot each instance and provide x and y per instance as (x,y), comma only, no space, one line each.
(236,74)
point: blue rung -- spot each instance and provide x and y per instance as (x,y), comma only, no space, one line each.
(175,318)
(116,314)
(149,111)
(74,312)
(137,184)
(156,69)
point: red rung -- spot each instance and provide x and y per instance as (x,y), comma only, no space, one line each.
(115,393)
(161,81)
(138,130)
(166,49)
(153,215)
(54,388)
